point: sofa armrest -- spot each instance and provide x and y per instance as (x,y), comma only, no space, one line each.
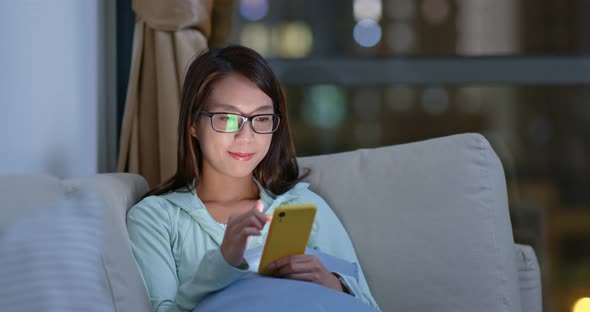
(529,277)
(118,192)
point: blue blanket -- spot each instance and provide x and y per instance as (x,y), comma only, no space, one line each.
(260,293)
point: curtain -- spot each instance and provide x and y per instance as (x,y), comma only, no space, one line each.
(168,34)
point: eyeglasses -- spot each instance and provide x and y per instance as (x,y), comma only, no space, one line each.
(228,122)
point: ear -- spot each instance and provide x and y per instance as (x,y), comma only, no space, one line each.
(193,131)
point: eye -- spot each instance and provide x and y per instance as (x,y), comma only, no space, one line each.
(226,117)
(263,118)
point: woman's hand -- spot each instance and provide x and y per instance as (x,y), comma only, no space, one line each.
(305,268)
(239,228)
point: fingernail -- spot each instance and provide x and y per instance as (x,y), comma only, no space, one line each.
(259,205)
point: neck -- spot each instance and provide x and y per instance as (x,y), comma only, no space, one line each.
(222,189)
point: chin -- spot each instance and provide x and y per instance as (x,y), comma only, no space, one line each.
(240,172)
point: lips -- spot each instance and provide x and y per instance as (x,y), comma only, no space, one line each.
(241,156)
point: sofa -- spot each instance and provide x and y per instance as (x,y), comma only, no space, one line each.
(429,221)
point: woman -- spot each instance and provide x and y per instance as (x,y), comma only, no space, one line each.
(236,164)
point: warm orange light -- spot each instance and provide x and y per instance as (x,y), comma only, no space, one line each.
(582,305)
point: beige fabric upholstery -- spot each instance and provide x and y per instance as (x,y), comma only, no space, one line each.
(64,244)
(429,221)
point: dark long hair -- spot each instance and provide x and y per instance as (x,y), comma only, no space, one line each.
(278,171)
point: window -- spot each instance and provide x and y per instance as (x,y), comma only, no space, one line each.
(367,73)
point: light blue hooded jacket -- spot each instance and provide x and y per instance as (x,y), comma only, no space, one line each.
(176,242)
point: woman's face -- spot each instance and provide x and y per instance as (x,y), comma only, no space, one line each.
(233,154)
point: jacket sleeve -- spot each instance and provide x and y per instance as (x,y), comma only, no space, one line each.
(331,237)
(153,234)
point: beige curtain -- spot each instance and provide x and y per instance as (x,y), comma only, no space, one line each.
(167,36)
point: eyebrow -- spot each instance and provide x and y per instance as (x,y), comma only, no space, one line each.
(234,108)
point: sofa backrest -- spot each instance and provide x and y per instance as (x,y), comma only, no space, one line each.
(429,221)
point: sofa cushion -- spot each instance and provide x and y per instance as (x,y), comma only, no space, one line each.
(429,221)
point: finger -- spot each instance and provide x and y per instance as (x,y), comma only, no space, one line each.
(295,268)
(303,258)
(255,213)
(247,218)
(237,217)
(280,263)
(250,221)
(261,216)
(307,276)
(299,267)
(250,231)
(294,259)
(256,222)
(289,260)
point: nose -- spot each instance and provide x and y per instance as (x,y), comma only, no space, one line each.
(246,133)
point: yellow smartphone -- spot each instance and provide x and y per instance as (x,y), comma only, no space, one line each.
(288,234)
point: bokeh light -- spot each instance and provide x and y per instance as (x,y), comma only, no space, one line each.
(367,9)
(295,40)
(325,106)
(367,33)
(257,37)
(582,305)
(253,10)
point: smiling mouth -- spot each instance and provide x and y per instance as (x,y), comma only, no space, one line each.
(241,156)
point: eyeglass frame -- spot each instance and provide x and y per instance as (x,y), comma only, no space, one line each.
(244,119)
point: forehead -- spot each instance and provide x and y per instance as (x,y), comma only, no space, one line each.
(234,92)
